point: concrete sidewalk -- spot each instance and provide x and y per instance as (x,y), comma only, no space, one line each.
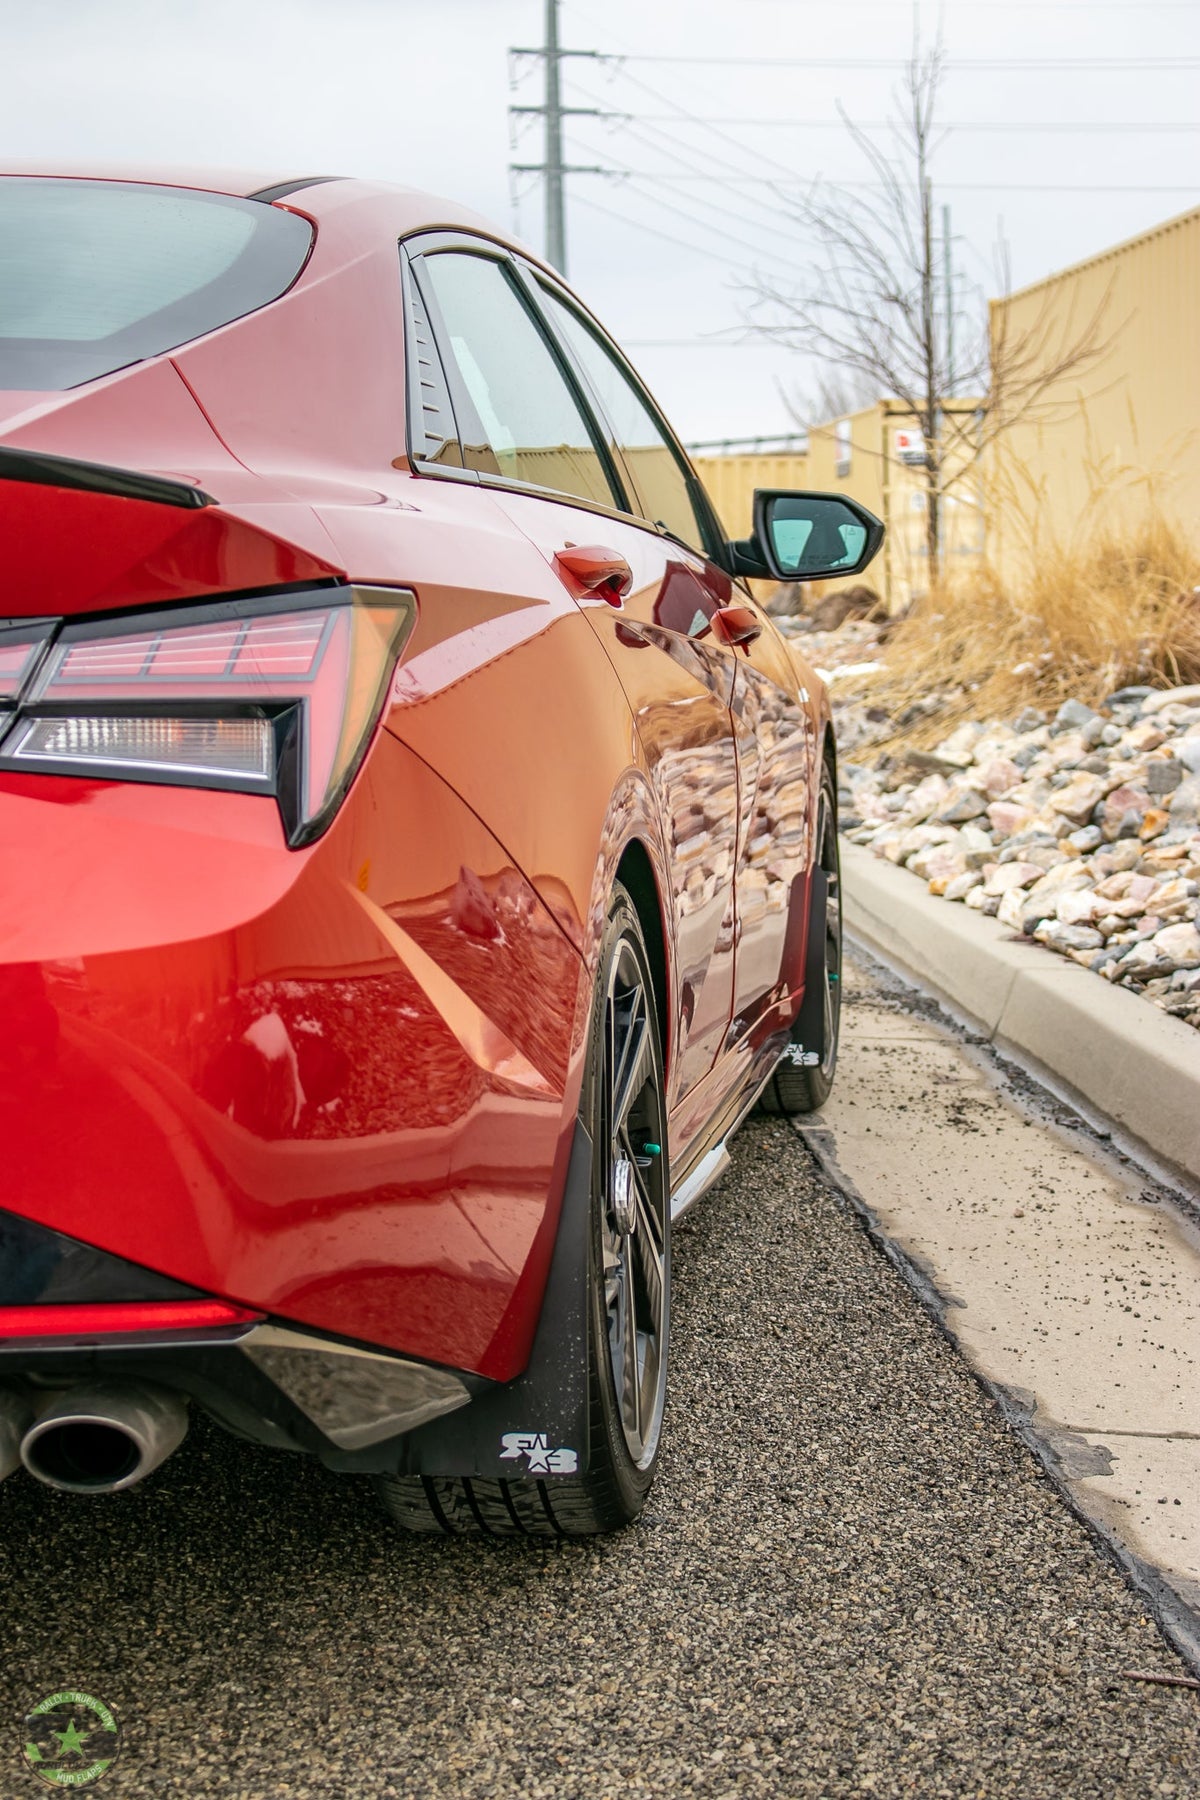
(1070,1285)
(1114,1055)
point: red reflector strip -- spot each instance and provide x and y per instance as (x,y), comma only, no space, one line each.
(121,1316)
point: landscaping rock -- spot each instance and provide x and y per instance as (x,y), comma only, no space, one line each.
(1079,799)
(1083,833)
(1072,714)
(1155,701)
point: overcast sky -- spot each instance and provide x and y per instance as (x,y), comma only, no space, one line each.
(417,91)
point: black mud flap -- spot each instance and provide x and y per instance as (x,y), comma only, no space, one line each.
(536,1425)
(808,1033)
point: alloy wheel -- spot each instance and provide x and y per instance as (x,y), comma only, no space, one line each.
(635,1211)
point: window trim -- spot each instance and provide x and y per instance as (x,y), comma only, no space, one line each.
(454,243)
(414,419)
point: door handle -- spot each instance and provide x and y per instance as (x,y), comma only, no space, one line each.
(737,624)
(597,570)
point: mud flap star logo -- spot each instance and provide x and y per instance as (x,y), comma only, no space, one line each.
(71,1739)
(534,1446)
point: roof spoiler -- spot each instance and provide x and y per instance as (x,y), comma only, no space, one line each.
(96,478)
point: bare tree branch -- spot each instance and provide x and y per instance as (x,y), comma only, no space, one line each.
(874,322)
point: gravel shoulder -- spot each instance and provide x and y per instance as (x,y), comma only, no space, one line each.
(851,1579)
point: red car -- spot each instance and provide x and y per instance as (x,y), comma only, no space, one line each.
(419,848)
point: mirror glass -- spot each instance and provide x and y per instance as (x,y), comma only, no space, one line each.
(814,536)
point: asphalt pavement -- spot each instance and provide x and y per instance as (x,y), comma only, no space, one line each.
(851,1579)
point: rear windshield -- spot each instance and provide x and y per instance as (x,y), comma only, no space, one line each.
(95,275)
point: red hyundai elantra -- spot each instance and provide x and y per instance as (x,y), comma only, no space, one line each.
(417,848)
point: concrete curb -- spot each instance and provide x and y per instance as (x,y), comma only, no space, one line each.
(1109,1051)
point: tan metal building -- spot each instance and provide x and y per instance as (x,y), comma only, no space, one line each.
(731,478)
(1101,447)
(1110,441)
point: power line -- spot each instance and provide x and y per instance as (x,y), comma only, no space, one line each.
(1083,7)
(761,250)
(1122,64)
(696,343)
(961,187)
(686,156)
(1098,125)
(655,231)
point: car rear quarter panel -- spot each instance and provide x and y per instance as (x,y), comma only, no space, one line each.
(339,1084)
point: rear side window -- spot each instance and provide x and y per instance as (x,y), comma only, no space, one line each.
(95,275)
(527,423)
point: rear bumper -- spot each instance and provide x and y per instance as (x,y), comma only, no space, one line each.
(337,1086)
(352,1406)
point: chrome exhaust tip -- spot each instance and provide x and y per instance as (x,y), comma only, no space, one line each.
(99,1440)
(15,1414)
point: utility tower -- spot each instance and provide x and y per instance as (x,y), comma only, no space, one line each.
(552,169)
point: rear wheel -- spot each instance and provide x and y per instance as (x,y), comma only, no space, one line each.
(629,1283)
(798,1086)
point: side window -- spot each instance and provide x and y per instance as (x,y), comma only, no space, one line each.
(661,479)
(528,425)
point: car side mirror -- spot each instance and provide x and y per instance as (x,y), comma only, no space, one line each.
(807,537)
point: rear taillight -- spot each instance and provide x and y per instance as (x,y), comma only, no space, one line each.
(274,695)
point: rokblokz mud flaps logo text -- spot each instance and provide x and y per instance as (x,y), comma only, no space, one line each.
(534,1446)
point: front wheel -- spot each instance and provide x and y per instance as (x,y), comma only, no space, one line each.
(800,1085)
(629,1282)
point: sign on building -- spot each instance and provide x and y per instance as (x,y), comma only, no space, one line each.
(843,447)
(909,446)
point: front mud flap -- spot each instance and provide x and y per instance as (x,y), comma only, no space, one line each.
(808,1033)
(536,1425)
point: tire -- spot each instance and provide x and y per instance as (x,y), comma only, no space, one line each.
(794,1088)
(629,1283)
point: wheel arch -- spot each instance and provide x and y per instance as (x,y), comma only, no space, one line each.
(829,751)
(635,872)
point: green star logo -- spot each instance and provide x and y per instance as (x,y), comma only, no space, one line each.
(71,1739)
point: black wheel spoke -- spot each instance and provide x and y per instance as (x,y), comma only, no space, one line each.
(634,1068)
(631,1383)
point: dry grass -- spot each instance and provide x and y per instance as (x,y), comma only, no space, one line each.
(1087,622)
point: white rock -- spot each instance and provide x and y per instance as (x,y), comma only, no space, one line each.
(1076,907)
(1079,799)
(1011,875)
(1180,696)
(1011,907)
(1068,937)
(1179,944)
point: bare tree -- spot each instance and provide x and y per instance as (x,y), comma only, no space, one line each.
(831,395)
(874,320)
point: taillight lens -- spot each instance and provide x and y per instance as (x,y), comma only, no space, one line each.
(267,696)
(20,647)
